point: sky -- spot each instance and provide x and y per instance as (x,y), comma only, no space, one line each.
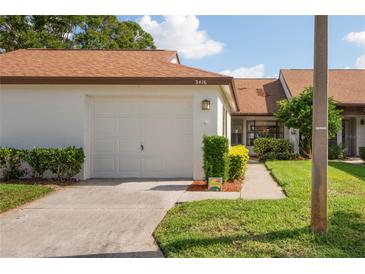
(255,46)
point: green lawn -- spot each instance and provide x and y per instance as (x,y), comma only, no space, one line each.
(237,228)
(13,195)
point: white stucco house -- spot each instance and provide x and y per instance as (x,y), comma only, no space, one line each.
(142,114)
(135,113)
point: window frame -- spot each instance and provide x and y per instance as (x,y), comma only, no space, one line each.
(277,134)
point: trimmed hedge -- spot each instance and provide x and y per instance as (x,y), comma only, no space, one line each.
(335,152)
(215,157)
(64,163)
(279,147)
(279,156)
(39,160)
(11,160)
(362,153)
(238,158)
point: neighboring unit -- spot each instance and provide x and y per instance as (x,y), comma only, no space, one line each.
(257,99)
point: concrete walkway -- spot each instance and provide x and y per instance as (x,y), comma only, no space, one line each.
(190,196)
(98,218)
(259,184)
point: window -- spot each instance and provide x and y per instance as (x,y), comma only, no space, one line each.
(259,129)
(236,136)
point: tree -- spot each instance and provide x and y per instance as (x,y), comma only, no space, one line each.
(297,113)
(109,32)
(97,32)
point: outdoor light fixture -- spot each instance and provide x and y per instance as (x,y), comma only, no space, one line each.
(205,104)
(362,122)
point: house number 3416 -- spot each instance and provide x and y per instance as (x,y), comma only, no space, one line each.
(200,82)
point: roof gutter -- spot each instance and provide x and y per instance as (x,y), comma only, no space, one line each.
(20,80)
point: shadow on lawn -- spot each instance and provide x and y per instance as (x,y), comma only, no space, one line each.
(345,238)
(356,170)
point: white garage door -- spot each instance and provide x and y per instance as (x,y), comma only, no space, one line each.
(142,138)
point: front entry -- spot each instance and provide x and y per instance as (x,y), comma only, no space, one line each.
(349,136)
(141,138)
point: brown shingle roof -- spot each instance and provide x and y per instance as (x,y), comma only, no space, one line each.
(110,66)
(258,96)
(345,86)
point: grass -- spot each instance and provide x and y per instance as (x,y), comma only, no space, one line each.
(277,228)
(13,195)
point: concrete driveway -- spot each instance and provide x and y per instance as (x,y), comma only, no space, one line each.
(97,218)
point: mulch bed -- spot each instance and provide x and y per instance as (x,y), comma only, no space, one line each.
(202,185)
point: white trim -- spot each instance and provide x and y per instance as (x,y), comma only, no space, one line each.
(285,87)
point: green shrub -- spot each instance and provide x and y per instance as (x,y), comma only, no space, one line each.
(11,160)
(66,162)
(263,146)
(215,157)
(279,156)
(335,152)
(39,160)
(362,153)
(238,158)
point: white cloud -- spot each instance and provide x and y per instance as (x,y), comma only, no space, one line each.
(357,38)
(244,72)
(360,62)
(181,33)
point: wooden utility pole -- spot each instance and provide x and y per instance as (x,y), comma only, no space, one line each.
(320,126)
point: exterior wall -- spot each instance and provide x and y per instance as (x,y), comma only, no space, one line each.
(289,134)
(360,133)
(58,115)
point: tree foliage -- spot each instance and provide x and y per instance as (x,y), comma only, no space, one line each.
(92,32)
(297,113)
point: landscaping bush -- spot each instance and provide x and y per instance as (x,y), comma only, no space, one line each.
(335,152)
(64,163)
(215,157)
(39,160)
(362,153)
(11,160)
(279,147)
(279,156)
(238,158)
(67,162)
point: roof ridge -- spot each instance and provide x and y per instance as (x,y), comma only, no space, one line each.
(202,70)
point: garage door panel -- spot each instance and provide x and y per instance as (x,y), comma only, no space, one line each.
(129,146)
(167,127)
(130,127)
(154,145)
(104,108)
(129,107)
(153,164)
(104,164)
(130,165)
(104,127)
(105,146)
